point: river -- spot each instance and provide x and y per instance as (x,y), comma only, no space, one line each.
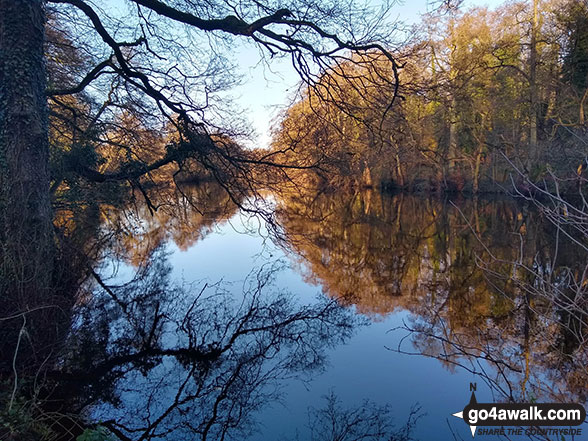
(344,307)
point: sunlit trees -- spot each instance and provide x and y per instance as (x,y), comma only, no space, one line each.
(116,93)
(459,45)
(344,125)
(136,87)
(477,85)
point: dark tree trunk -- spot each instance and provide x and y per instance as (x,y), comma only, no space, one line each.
(533,89)
(25,210)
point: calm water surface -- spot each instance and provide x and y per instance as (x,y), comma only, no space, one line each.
(441,293)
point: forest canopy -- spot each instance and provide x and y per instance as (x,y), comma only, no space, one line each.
(136,93)
(484,94)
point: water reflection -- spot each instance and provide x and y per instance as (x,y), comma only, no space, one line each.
(141,355)
(487,282)
(187,362)
(183,215)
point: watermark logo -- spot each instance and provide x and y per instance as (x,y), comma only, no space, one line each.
(530,415)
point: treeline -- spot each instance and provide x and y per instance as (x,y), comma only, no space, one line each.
(482,95)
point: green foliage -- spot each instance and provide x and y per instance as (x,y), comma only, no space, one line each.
(98,434)
(67,163)
(574,17)
(17,417)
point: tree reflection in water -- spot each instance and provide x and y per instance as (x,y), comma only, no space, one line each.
(152,359)
(334,422)
(182,363)
(490,285)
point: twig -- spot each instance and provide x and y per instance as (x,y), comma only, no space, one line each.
(20,334)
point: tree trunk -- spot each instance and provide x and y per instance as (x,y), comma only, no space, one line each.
(399,172)
(533,147)
(478,162)
(582,119)
(452,134)
(26,239)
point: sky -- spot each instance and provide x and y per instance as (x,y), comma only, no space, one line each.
(264,93)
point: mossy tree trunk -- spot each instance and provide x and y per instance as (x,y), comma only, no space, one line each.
(25,210)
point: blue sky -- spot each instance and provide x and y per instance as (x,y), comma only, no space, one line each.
(264,93)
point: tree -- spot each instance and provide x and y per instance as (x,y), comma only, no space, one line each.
(184,363)
(572,27)
(164,65)
(25,219)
